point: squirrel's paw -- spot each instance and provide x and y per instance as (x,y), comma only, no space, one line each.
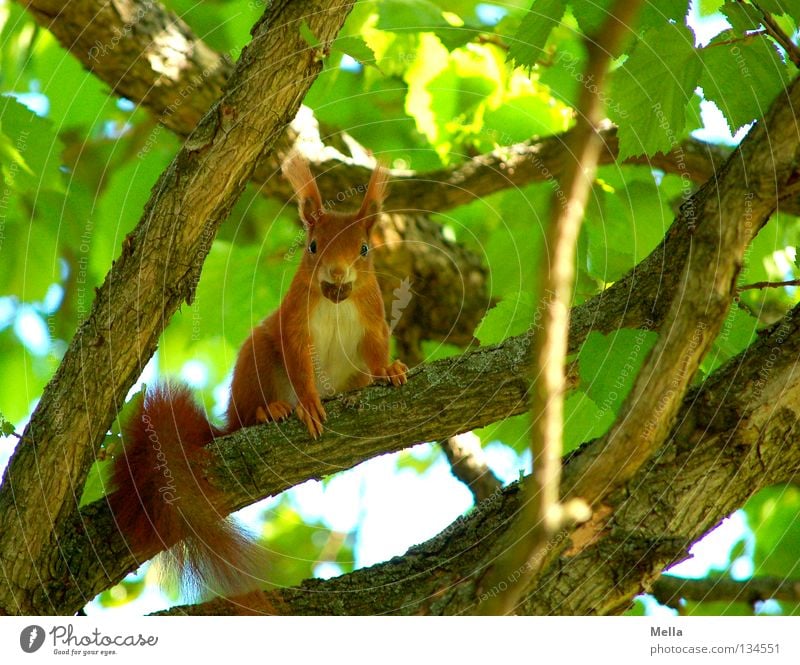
(312,414)
(396,373)
(273,411)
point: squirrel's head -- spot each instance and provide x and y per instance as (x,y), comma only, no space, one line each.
(337,243)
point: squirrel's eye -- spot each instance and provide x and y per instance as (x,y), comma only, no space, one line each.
(312,247)
(364,249)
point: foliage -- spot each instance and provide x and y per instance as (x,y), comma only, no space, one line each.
(424,85)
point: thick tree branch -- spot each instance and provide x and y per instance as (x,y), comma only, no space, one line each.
(736,434)
(158,269)
(669,590)
(722,218)
(655,281)
(488,384)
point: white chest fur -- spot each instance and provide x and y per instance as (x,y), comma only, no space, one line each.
(336,333)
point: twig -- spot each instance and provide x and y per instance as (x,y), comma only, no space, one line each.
(542,515)
(468,464)
(779,35)
(737,40)
(768,285)
(669,590)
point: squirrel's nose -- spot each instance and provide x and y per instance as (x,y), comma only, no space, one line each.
(337,274)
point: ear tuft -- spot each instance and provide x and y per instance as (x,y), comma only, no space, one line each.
(309,200)
(376,193)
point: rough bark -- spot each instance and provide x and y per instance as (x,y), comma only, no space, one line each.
(736,434)
(157,270)
(487,385)
(653,523)
(723,218)
(669,590)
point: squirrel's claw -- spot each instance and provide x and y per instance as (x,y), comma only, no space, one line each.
(312,414)
(274,411)
(396,373)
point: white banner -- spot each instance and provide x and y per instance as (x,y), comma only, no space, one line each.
(388,640)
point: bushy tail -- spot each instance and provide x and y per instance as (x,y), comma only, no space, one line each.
(163,499)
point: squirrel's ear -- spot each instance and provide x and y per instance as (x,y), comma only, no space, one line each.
(309,200)
(373,199)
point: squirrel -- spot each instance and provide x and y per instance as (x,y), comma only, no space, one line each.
(329,335)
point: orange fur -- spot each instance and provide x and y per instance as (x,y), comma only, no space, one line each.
(328,335)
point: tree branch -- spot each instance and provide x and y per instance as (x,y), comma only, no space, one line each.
(467,463)
(669,590)
(735,434)
(133,68)
(777,33)
(158,269)
(489,383)
(543,515)
(723,218)
(164,67)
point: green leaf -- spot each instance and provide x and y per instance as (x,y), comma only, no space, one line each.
(33,143)
(774,516)
(650,92)
(625,219)
(6,427)
(659,13)
(738,332)
(513,315)
(609,364)
(592,15)
(410,15)
(717,608)
(98,482)
(22,384)
(527,46)
(742,78)
(123,593)
(308,35)
(515,432)
(356,48)
(790,7)
(741,16)
(583,420)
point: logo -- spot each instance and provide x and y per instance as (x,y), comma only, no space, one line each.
(31,638)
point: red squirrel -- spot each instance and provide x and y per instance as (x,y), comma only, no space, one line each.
(328,335)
